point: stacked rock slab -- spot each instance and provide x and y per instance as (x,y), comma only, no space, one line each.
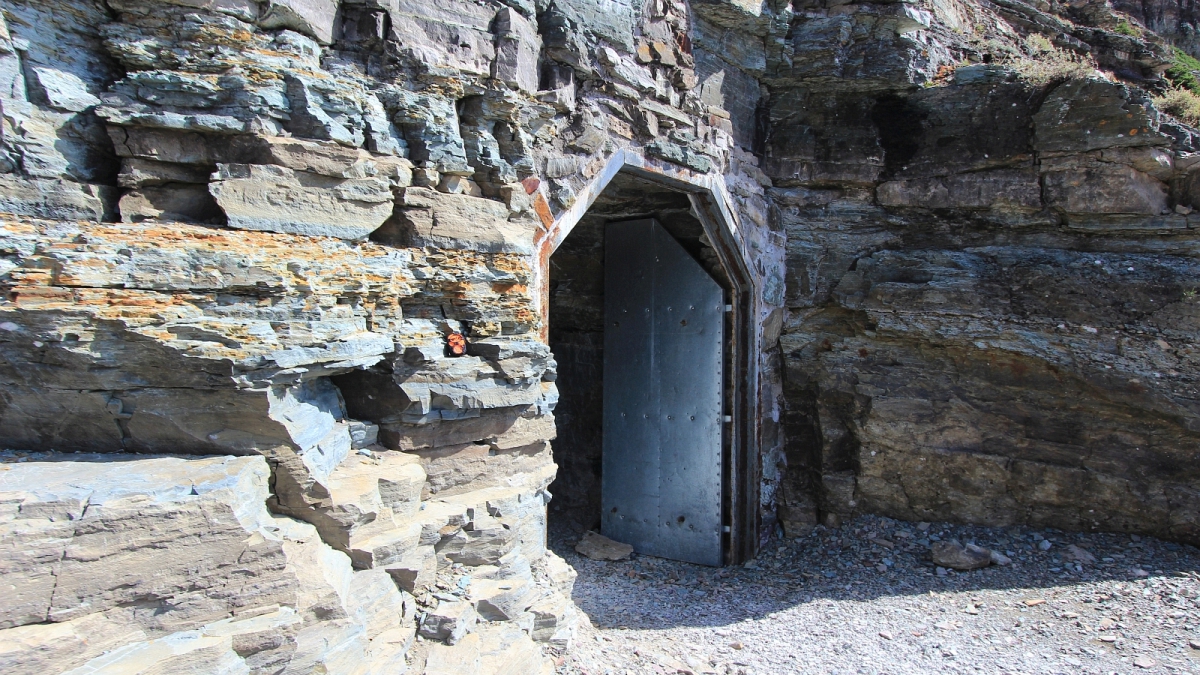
(124,563)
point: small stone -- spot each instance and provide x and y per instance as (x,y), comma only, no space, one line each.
(664,53)
(923,526)
(1045,545)
(1034,602)
(1144,662)
(1182,210)
(426,177)
(561,167)
(454,185)
(599,547)
(1108,638)
(737,645)
(1194,644)
(942,571)
(515,198)
(956,556)
(1080,554)
(971,609)
(999,558)
(609,56)
(885,635)
(1139,573)
(451,621)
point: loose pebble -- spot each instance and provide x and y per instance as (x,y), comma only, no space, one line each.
(841,600)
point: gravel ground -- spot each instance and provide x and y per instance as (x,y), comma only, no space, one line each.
(866,599)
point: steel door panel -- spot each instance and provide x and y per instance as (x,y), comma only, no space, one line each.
(663,354)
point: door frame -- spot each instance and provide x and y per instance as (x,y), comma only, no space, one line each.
(717,213)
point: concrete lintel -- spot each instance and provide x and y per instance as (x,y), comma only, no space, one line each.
(672,177)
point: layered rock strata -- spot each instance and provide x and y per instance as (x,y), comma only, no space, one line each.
(239,233)
(991,260)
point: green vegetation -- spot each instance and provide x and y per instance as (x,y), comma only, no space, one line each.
(1182,104)
(1182,100)
(1182,73)
(1126,28)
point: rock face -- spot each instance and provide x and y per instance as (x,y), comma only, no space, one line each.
(241,233)
(175,565)
(991,314)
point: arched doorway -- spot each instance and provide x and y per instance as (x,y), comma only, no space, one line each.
(685,491)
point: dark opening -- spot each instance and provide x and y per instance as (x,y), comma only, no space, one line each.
(576,335)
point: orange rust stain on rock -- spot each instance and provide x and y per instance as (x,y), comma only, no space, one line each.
(513,288)
(542,209)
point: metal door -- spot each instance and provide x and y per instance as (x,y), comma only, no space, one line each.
(663,346)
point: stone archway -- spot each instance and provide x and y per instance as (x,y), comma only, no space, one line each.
(702,212)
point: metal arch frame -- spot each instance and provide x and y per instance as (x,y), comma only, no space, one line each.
(714,207)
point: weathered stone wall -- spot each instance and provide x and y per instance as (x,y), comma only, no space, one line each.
(991,269)
(244,230)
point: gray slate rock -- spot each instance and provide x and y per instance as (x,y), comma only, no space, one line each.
(311,17)
(276,199)
(599,547)
(956,556)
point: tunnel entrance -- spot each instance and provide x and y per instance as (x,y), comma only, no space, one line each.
(645,443)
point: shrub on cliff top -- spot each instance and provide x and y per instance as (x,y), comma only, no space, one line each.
(1043,63)
(1182,104)
(1182,72)
(1182,100)
(1123,27)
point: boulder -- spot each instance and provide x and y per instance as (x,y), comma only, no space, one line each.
(277,199)
(312,17)
(517,48)
(449,622)
(502,599)
(493,650)
(64,90)
(427,217)
(53,199)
